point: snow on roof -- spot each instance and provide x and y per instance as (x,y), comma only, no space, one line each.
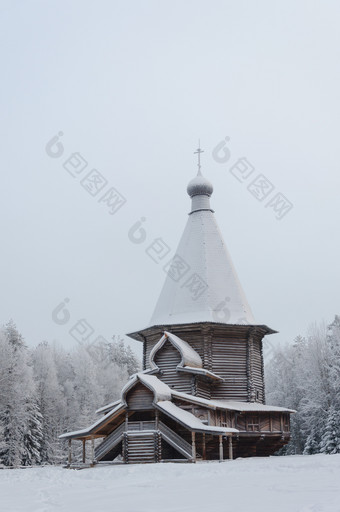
(189,420)
(105,408)
(200,371)
(89,430)
(210,290)
(193,399)
(161,391)
(229,405)
(249,406)
(189,356)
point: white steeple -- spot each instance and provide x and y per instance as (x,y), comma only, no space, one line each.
(201,284)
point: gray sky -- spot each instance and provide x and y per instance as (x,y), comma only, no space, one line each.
(132,86)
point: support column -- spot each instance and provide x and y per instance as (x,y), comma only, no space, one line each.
(69,452)
(204,451)
(124,448)
(92,450)
(221,448)
(230,448)
(126,422)
(84,451)
(156,419)
(193,443)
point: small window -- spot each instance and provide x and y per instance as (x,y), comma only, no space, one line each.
(253,423)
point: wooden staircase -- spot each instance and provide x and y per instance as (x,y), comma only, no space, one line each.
(141,447)
(110,442)
(175,440)
(141,443)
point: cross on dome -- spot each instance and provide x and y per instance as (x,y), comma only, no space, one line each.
(198,153)
(199,185)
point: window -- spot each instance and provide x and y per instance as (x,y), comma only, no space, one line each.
(253,423)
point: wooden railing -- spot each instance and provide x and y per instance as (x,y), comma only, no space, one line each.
(171,437)
(175,440)
(110,441)
(141,425)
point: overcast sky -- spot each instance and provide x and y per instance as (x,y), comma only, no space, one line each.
(132,85)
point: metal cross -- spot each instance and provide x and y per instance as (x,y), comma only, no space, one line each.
(198,153)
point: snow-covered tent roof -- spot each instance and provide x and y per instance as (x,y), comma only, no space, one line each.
(201,283)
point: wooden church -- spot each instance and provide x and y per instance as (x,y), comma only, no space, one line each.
(201,393)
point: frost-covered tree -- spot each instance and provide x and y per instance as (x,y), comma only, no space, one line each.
(48,390)
(330,440)
(17,392)
(312,444)
(51,403)
(33,434)
(306,377)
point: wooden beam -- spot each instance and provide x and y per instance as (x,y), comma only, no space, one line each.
(193,442)
(84,451)
(204,450)
(221,447)
(69,451)
(92,450)
(230,448)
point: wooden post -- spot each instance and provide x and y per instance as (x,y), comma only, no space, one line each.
(159,447)
(69,451)
(221,448)
(156,419)
(204,451)
(126,422)
(84,451)
(124,451)
(193,443)
(92,450)
(230,448)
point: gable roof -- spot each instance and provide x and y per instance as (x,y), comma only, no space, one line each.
(163,396)
(160,390)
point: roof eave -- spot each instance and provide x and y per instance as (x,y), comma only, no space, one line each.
(140,335)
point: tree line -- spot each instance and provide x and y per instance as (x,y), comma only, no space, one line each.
(48,390)
(305,376)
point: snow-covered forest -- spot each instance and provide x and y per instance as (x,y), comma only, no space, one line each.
(305,376)
(48,390)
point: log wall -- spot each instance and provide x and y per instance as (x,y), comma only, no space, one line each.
(140,398)
(167,360)
(232,352)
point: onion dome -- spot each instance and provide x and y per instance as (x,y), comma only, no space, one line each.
(199,186)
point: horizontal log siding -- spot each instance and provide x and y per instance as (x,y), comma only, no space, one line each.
(202,388)
(141,447)
(229,361)
(167,360)
(258,370)
(139,398)
(225,350)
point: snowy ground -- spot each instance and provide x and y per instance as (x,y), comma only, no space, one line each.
(275,484)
